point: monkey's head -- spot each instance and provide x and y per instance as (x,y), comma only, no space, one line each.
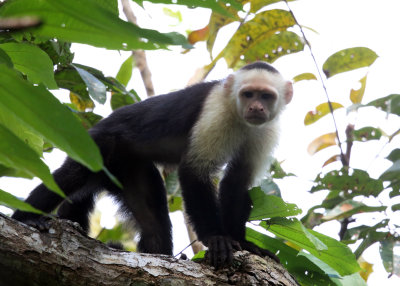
(259,91)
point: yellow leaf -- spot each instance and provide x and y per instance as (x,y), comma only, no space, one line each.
(81,104)
(217,21)
(366,268)
(304,76)
(265,37)
(319,112)
(357,95)
(322,142)
(292,245)
(331,160)
(198,35)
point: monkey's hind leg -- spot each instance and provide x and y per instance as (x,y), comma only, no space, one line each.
(70,177)
(78,211)
(144,197)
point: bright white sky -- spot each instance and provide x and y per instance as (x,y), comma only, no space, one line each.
(340,24)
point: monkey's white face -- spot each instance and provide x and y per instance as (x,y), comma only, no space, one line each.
(260,95)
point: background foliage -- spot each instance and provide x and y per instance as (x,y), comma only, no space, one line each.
(35,60)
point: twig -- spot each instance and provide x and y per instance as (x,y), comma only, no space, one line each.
(139,55)
(194,241)
(342,156)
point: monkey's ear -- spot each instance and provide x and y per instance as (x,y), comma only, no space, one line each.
(288,92)
(228,83)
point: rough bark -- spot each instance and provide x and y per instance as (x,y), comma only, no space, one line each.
(65,256)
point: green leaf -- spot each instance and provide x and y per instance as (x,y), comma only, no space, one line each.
(332,252)
(172,183)
(371,238)
(389,258)
(390,103)
(320,111)
(118,100)
(277,172)
(354,279)
(395,207)
(211,4)
(59,127)
(69,78)
(294,231)
(366,134)
(10,172)
(363,231)
(175,203)
(125,71)
(58,51)
(15,154)
(306,271)
(31,61)
(173,14)
(116,233)
(111,83)
(199,255)
(312,219)
(394,155)
(259,39)
(111,5)
(8,200)
(5,59)
(354,182)
(26,134)
(267,206)
(97,90)
(112,177)
(88,22)
(304,76)
(88,119)
(270,188)
(348,59)
(348,208)
(393,173)
(348,280)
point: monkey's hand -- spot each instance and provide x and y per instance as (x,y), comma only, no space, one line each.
(251,247)
(220,250)
(39,222)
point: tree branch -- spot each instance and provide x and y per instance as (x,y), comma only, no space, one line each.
(139,55)
(64,256)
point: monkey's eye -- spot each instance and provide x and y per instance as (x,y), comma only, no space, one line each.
(247,94)
(267,96)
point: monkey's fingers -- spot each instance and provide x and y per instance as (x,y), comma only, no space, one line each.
(41,223)
(220,251)
(236,245)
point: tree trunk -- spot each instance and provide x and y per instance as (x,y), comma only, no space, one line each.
(65,256)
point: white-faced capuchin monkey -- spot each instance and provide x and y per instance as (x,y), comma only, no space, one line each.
(202,128)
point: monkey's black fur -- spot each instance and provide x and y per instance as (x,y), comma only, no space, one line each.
(132,140)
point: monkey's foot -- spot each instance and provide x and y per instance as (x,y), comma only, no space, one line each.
(220,250)
(252,248)
(39,222)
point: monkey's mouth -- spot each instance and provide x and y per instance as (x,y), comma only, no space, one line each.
(256,119)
